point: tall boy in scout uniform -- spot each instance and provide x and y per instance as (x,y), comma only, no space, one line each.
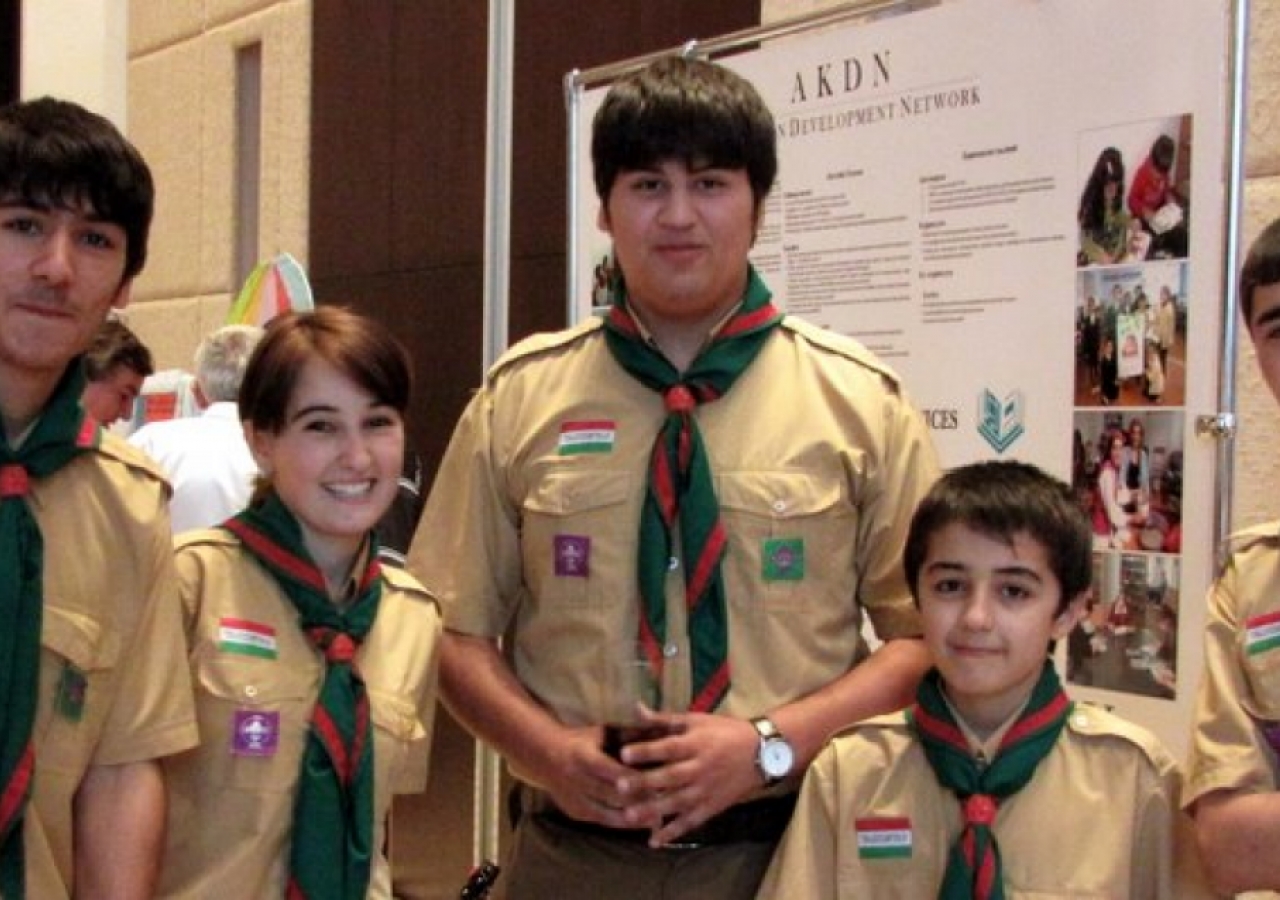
(728,486)
(93,689)
(992,784)
(1232,772)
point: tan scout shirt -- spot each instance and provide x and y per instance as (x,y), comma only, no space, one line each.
(1099,819)
(1236,724)
(818,461)
(256,682)
(113,689)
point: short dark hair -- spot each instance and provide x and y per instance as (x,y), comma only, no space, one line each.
(1261,267)
(690,110)
(115,345)
(357,346)
(1162,150)
(55,153)
(1002,499)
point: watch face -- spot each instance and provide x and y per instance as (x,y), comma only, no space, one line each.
(776,758)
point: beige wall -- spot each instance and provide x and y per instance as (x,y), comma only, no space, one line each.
(85,63)
(180,108)
(1257,488)
(181,98)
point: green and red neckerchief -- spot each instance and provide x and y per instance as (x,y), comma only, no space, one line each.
(973,866)
(681,493)
(62,431)
(331,846)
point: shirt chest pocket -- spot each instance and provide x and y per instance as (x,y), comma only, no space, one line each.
(578,537)
(791,536)
(254,715)
(78,665)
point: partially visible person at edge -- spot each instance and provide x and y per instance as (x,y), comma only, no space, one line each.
(115,366)
(92,686)
(951,799)
(1233,778)
(726,484)
(314,665)
(206,456)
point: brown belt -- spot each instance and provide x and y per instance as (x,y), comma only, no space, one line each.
(757,821)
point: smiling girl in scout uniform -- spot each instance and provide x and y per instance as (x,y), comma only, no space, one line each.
(314,666)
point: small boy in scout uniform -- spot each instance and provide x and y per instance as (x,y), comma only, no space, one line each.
(993,784)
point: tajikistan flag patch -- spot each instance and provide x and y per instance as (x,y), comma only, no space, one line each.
(587,437)
(249,638)
(1262,633)
(883,837)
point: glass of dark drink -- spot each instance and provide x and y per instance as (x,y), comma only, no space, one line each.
(631,683)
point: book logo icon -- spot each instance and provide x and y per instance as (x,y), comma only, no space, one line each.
(1000,419)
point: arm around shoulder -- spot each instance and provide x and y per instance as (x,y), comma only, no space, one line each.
(884,682)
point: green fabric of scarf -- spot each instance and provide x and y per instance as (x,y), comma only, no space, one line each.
(62,431)
(681,493)
(332,848)
(973,866)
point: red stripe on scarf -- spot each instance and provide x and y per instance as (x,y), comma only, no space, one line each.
(296,568)
(747,321)
(652,648)
(89,436)
(705,567)
(372,570)
(714,689)
(15,791)
(684,444)
(293,892)
(943,731)
(1036,721)
(663,485)
(622,320)
(332,741)
(984,881)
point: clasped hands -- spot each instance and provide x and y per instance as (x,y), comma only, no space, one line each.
(700,764)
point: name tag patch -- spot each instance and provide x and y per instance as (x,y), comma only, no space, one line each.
(884,838)
(587,437)
(247,638)
(1262,633)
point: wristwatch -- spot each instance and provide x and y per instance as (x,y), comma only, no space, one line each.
(775,759)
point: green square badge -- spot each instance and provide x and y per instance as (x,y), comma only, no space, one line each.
(72,688)
(783,559)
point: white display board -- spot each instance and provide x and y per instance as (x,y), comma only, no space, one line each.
(932,167)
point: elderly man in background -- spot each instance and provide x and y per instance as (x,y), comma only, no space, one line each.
(206,457)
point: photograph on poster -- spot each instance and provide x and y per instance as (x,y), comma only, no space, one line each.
(1131,335)
(603,272)
(1127,472)
(1134,187)
(1127,640)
